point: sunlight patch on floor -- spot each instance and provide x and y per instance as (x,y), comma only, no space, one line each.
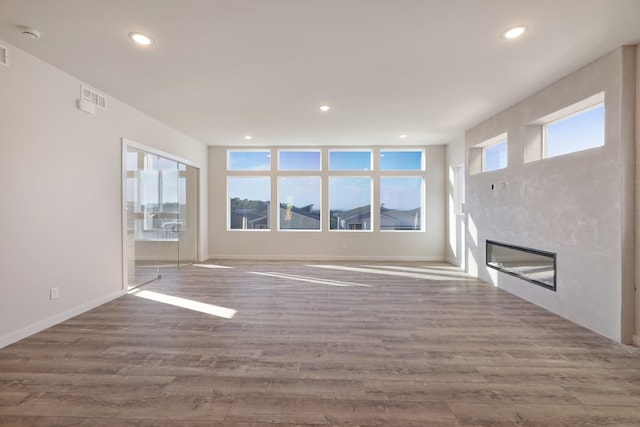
(309,279)
(211,266)
(201,307)
(435,276)
(448,274)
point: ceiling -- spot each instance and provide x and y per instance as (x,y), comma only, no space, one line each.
(223,69)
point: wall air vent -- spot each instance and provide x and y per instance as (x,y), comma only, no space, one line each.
(4,56)
(93,97)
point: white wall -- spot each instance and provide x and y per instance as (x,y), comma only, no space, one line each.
(456,222)
(428,245)
(578,205)
(60,184)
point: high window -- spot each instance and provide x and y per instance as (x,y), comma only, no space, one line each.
(299,160)
(494,156)
(249,160)
(576,131)
(350,160)
(576,127)
(489,155)
(401,160)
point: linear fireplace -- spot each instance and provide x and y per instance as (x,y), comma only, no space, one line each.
(532,265)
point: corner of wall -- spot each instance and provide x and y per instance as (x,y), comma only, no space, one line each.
(636,258)
(628,191)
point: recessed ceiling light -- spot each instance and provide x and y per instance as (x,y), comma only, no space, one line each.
(514,32)
(324,108)
(141,39)
(248,137)
(403,136)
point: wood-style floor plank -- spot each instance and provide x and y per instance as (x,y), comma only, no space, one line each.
(367,344)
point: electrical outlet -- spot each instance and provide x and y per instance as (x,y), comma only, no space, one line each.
(54,293)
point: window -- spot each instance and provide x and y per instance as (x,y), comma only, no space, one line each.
(401,201)
(299,203)
(403,160)
(350,203)
(249,160)
(579,131)
(249,203)
(494,156)
(299,160)
(350,160)
(489,155)
(311,194)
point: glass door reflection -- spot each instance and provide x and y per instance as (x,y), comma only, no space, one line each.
(141,260)
(188,218)
(161,216)
(166,219)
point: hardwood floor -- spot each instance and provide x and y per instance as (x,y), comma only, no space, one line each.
(393,344)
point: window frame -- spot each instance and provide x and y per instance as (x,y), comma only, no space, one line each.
(372,193)
(246,150)
(571,112)
(503,138)
(422,207)
(299,150)
(228,203)
(423,160)
(373,175)
(351,150)
(278,210)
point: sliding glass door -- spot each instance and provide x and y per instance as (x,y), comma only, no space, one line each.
(188,215)
(161,215)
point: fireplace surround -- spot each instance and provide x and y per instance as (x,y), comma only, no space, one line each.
(533,265)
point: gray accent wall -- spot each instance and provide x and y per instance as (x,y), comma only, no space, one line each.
(580,205)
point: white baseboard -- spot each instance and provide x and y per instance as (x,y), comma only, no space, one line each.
(61,317)
(324,258)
